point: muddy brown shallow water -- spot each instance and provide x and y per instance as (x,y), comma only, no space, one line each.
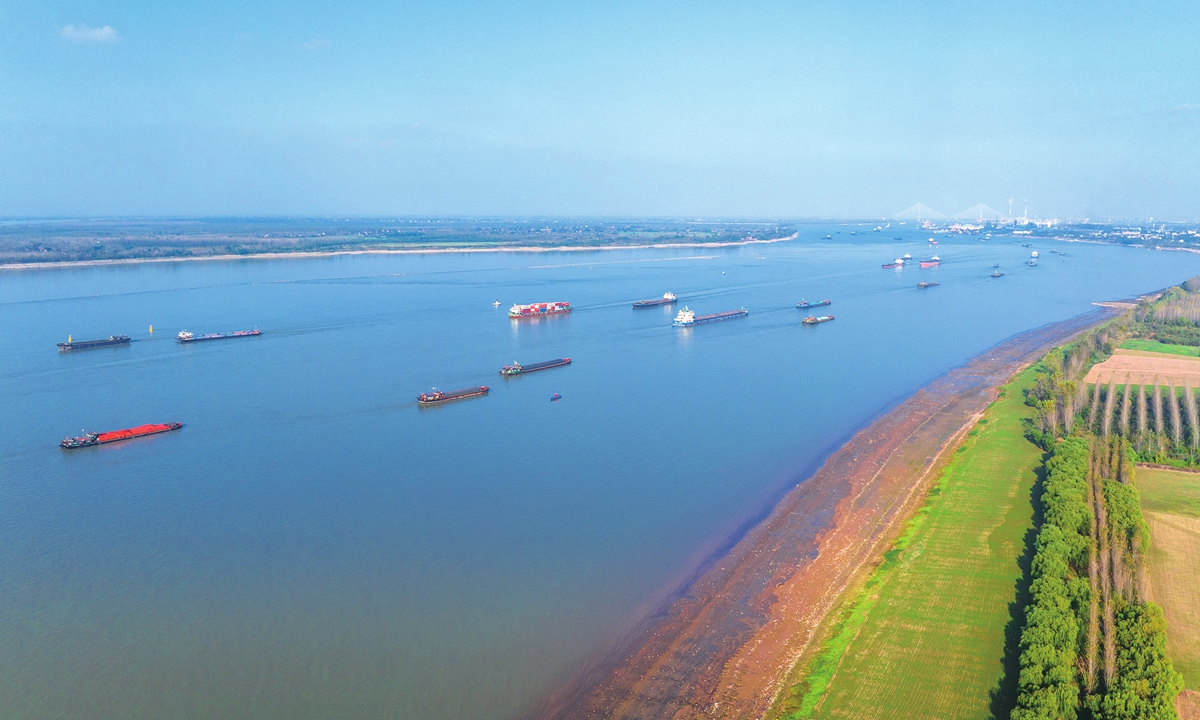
(723,648)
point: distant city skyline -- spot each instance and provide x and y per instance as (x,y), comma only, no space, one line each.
(758,109)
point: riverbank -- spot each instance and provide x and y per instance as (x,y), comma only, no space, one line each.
(435,250)
(725,647)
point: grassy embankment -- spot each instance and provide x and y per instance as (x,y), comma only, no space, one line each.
(931,633)
(1171,506)
(1159,347)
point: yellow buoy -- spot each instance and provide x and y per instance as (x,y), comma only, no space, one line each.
(68,338)
(151,329)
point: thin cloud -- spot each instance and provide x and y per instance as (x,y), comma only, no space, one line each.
(84,33)
(316,44)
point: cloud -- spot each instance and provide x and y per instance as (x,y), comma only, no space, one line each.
(83,33)
(316,44)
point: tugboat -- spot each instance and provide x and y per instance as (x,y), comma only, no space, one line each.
(816,320)
(1033,254)
(997,273)
(1031,263)
(437,396)
(907,257)
(922,285)
(496,304)
(806,304)
(898,262)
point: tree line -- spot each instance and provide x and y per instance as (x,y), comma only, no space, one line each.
(1092,647)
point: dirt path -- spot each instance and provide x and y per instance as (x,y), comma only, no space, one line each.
(723,648)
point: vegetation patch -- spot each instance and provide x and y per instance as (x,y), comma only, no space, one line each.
(1160,347)
(1171,502)
(927,634)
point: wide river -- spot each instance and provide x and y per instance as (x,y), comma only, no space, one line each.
(312,544)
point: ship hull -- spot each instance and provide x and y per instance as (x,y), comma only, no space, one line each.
(427,399)
(89,344)
(104,438)
(220,336)
(932,263)
(510,371)
(715,317)
(823,303)
(654,303)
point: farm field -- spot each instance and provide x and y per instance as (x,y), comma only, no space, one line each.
(1134,364)
(929,635)
(1159,347)
(1171,505)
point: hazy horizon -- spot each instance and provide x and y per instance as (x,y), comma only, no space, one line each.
(670,110)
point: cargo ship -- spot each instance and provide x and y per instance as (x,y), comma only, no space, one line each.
(687,318)
(437,396)
(816,319)
(819,303)
(931,262)
(518,369)
(87,344)
(539,309)
(187,337)
(666,299)
(924,285)
(89,439)
(898,262)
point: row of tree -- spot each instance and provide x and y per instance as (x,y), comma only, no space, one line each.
(1092,646)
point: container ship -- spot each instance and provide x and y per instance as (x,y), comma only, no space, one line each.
(87,344)
(539,309)
(687,318)
(819,303)
(666,299)
(898,262)
(816,319)
(931,262)
(187,337)
(518,369)
(89,439)
(437,396)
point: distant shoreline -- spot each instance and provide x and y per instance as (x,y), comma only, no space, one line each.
(413,251)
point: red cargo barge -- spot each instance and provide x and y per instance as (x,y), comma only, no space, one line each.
(89,439)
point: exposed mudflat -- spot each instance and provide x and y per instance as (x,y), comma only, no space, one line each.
(723,648)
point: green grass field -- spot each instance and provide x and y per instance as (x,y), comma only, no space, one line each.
(935,627)
(1156,346)
(1171,505)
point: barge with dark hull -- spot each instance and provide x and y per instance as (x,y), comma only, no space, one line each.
(518,369)
(666,299)
(89,344)
(437,396)
(90,439)
(187,337)
(687,318)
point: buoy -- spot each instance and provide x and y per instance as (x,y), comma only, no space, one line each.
(68,338)
(151,329)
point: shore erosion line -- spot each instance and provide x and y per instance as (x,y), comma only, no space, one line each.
(723,647)
(411,251)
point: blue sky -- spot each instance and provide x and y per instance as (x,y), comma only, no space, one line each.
(818,109)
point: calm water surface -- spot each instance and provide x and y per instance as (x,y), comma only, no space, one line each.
(314,545)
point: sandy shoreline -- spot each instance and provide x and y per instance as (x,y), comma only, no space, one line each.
(413,251)
(724,647)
